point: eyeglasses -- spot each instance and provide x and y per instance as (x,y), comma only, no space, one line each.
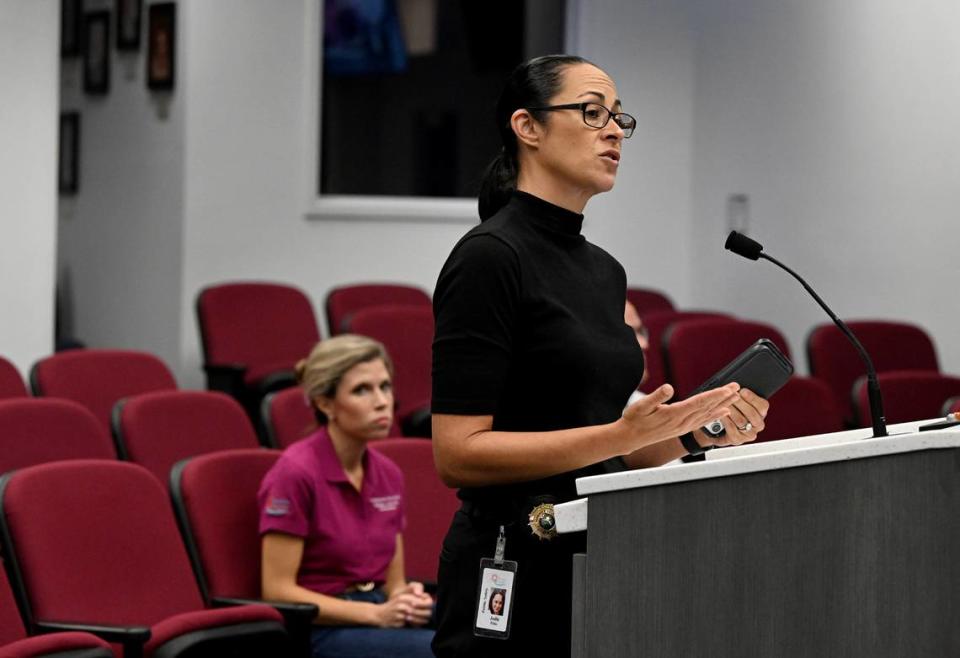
(596,115)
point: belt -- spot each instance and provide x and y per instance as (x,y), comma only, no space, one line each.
(492,514)
(360,587)
(534,511)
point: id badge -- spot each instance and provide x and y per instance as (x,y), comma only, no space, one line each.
(495,598)
(496,593)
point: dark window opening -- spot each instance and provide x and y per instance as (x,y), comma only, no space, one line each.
(409,86)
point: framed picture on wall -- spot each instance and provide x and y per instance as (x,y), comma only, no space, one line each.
(161,45)
(96,52)
(70,14)
(68,181)
(129,17)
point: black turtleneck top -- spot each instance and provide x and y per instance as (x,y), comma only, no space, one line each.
(530,330)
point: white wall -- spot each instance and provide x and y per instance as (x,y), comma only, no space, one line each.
(120,237)
(647,47)
(840,121)
(29,48)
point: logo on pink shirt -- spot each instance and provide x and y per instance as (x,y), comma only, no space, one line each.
(277,506)
(386,503)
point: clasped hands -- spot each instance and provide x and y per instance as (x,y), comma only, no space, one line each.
(741,411)
(409,605)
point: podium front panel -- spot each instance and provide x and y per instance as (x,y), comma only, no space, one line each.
(847,558)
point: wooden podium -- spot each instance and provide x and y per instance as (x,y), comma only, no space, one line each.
(836,545)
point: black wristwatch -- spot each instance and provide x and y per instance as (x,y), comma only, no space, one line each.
(690,445)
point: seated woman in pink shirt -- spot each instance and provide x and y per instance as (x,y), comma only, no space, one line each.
(332,514)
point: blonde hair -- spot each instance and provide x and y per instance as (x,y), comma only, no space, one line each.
(321,372)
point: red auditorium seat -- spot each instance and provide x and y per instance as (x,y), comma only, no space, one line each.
(430,505)
(647,300)
(803,407)
(907,395)
(11,383)
(215,498)
(344,301)
(891,346)
(252,335)
(286,417)
(657,323)
(40,430)
(407,333)
(98,378)
(696,349)
(95,542)
(156,430)
(14,642)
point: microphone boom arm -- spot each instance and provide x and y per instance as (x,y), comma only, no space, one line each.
(873,387)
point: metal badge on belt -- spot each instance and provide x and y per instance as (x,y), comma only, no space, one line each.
(542,522)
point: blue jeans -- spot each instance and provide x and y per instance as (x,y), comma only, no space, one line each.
(369,642)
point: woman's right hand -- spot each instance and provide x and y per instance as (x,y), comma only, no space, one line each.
(402,609)
(651,416)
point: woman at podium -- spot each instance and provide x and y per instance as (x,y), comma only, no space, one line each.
(532,363)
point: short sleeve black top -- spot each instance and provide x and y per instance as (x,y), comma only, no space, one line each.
(530,330)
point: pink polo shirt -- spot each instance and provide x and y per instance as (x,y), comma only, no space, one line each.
(349,536)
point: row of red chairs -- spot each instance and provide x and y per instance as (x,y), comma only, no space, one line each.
(133,590)
(94,378)
(159,429)
(399,317)
(97,379)
(688,347)
(93,545)
(253,333)
(238,320)
(214,488)
(131,396)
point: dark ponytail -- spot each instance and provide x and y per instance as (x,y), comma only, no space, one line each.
(499,180)
(532,84)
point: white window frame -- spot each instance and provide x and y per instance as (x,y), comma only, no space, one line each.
(371,207)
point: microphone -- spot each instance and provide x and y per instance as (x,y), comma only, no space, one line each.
(753,250)
(741,245)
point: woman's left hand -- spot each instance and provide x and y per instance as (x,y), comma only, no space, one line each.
(742,424)
(421,603)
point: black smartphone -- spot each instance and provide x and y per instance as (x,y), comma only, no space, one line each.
(762,368)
